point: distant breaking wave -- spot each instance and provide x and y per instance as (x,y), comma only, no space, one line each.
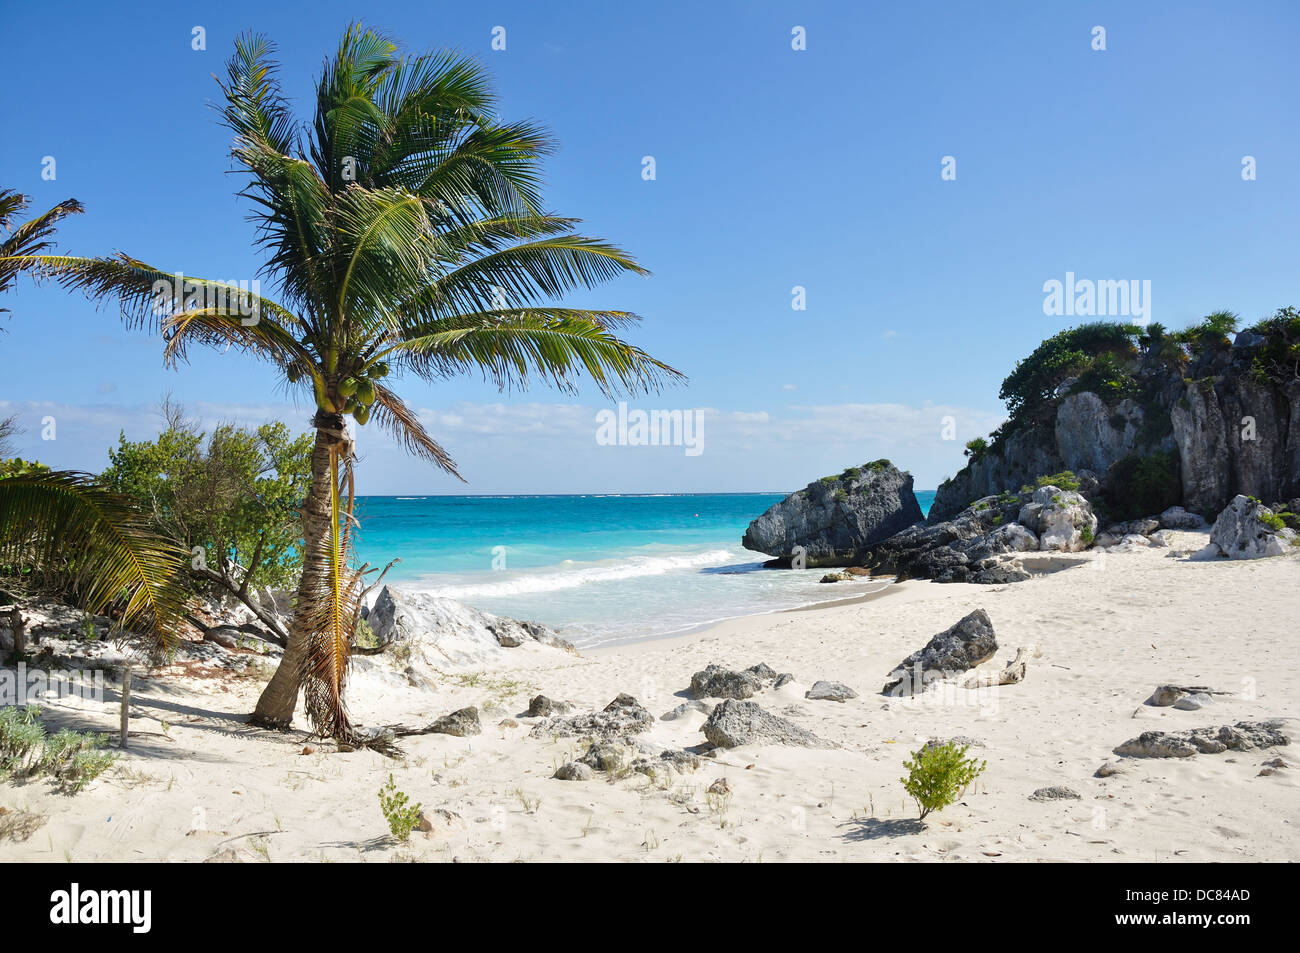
(551,580)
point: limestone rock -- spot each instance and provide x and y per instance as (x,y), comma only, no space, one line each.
(961,647)
(837,518)
(1245,530)
(734,723)
(1243,736)
(830,691)
(441,633)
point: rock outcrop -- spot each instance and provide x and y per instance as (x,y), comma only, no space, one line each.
(1230,424)
(1247,529)
(443,633)
(836,518)
(1063,520)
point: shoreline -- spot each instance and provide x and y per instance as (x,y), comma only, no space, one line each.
(1109,633)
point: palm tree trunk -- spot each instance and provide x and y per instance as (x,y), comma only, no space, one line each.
(280,697)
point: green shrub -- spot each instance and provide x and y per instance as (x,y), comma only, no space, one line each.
(402,818)
(75,759)
(852,473)
(21,735)
(938,775)
(882,464)
(840,496)
(1035,379)
(1213,331)
(1272,521)
(72,758)
(1065,480)
(977,448)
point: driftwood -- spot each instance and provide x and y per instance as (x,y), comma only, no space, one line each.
(1014,672)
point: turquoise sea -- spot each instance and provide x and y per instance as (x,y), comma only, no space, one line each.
(600,569)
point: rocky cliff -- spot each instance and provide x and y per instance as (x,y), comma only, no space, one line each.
(1164,424)
(834,519)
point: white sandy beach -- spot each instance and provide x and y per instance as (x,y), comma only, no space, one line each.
(203,785)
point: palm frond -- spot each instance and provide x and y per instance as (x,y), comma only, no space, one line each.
(29,238)
(511,345)
(62,521)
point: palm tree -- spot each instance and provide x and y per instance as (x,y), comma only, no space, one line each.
(59,522)
(405,231)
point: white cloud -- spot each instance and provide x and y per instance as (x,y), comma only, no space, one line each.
(551,448)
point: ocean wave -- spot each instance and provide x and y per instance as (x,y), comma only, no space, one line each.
(552,581)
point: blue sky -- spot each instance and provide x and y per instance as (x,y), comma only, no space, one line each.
(775,168)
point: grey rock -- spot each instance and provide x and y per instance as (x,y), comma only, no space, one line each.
(624,715)
(714,681)
(1062,519)
(440,631)
(1241,532)
(1109,770)
(836,577)
(605,756)
(462,723)
(830,691)
(960,647)
(543,707)
(1178,518)
(835,519)
(1094,436)
(668,763)
(782,680)
(1055,793)
(685,708)
(1194,702)
(734,723)
(574,771)
(1243,736)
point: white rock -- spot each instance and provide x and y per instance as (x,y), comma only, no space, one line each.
(1059,517)
(1241,533)
(442,632)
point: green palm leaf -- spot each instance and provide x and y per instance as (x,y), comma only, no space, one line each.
(62,522)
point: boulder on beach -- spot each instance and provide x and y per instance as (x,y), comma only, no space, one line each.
(714,681)
(1247,529)
(624,715)
(735,723)
(443,633)
(1062,519)
(836,518)
(960,647)
(1243,736)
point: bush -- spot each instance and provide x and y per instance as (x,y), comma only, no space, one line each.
(71,758)
(1213,331)
(402,819)
(1065,480)
(977,448)
(938,775)
(20,737)
(1035,379)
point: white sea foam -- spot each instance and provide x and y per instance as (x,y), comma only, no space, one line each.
(552,580)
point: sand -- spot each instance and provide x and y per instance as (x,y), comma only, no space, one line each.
(197,783)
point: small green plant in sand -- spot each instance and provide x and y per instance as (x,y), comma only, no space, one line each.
(72,758)
(938,775)
(402,817)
